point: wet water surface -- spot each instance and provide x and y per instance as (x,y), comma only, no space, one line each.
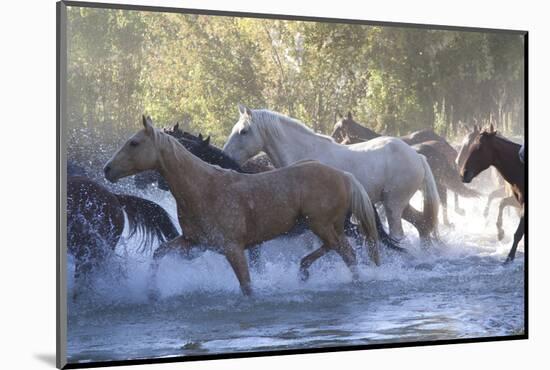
(456,289)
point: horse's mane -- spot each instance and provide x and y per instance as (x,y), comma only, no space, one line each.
(272,123)
(500,136)
(180,152)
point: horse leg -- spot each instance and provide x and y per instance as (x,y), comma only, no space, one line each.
(505,202)
(500,192)
(348,255)
(443,199)
(517,237)
(352,230)
(308,260)
(393,214)
(458,210)
(236,258)
(179,244)
(416,218)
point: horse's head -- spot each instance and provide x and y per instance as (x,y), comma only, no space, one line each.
(465,146)
(479,155)
(341,128)
(245,140)
(138,154)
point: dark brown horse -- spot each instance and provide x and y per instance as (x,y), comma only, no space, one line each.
(346,127)
(502,192)
(439,154)
(490,149)
(95,222)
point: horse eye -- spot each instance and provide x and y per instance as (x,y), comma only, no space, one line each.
(134,143)
(243,132)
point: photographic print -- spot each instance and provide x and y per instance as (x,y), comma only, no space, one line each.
(239,184)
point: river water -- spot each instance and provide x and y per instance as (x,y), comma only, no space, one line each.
(456,289)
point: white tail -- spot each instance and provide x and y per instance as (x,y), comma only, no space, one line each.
(431,199)
(363,212)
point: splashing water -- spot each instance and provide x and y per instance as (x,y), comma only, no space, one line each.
(456,289)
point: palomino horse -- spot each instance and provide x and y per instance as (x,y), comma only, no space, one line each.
(209,153)
(503,190)
(426,142)
(95,221)
(202,148)
(227,211)
(260,163)
(490,149)
(390,170)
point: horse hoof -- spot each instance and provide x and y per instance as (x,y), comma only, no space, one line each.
(508,261)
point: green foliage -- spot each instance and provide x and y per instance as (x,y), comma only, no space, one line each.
(195,69)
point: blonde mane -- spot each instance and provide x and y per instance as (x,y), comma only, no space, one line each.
(276,124)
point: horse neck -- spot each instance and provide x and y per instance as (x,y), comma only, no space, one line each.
(363,132)
(294,145)
(506,160)
(185,174)
(218,157)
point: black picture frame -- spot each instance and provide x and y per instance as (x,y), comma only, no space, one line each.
(61,300)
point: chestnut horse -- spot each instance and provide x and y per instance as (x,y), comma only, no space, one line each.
(228,212)
(490,149)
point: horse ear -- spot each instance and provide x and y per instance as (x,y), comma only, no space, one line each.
(349,116)
(176,126)
(207,141)
(491,128)
(244,110)
(147,123)
(339,115)
(200,136)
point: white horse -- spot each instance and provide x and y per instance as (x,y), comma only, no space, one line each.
(390,170)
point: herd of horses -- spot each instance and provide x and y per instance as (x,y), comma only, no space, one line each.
(275,177)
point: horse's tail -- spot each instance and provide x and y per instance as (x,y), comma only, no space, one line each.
(148,219)
(363,211)
(431,198)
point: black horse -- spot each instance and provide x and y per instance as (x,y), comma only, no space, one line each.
(95,222)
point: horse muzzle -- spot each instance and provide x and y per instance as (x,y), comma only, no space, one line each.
(467,176)
(109,173)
